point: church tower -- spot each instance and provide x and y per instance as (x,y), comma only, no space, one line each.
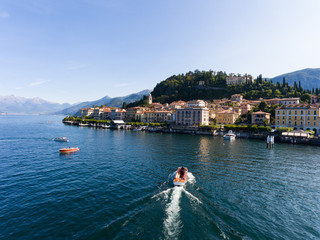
(150,99)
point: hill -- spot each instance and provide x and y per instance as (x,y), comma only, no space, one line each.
(309,78)
(111,102)
(20,105)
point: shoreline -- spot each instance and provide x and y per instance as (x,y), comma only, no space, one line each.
(206,131)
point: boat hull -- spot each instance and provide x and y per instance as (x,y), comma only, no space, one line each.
(68,150)
(178,180)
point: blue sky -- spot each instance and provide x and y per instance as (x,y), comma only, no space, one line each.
(80,50)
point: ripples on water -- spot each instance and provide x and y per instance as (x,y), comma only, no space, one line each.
(119,185)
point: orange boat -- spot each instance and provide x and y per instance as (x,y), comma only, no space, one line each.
(69,150)
(180,176)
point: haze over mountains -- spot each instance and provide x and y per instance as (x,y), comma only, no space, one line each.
(19,105)
(309,78)
(111,102)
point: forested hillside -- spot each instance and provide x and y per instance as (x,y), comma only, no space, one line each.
(208,85)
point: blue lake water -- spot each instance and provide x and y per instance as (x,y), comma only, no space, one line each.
(119,185)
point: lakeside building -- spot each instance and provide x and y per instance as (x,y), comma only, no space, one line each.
(134,113)
(86,112)
(226,116)
(106,114)
(303,116)
(118,114)
(260,118)
(239,79)
(156,116)
(192,116)
(97,113)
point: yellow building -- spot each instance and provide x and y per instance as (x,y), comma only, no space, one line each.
(301,116)
(226,117)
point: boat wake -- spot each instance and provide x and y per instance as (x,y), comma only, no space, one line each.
(172,224)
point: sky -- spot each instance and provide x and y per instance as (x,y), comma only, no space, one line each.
(82,50)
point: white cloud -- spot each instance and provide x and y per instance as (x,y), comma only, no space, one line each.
(38,82)
(4,15)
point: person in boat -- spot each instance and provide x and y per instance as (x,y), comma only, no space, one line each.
(182,172)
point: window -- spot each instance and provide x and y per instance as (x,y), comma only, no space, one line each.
(290,112)
(315,113)
(278,123)
(308,112)
(278,118)
(295,123)
(301,112)
(289,122)
(308,123)
(295,112)
(283,112)
(301,123)
(308,117)
(314,123)
(278,112)
(314,118)
(282,122)
(295,117)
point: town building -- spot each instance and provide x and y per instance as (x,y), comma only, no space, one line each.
(226,116)
(86,112)
(236,98)
(260,118)
(156,116)
(239,79)
(118,114)
(97,113)
(299,116)
(192,116)
(196,103)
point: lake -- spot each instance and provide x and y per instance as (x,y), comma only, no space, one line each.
(119,185)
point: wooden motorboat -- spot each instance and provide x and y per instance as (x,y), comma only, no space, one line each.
(69,150)
(180,176)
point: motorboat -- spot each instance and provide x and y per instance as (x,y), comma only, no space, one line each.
(229,136)
(61,139)
(69,150)
(180,176)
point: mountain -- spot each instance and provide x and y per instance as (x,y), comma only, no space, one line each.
(309,78)
(111,102)
(20,105)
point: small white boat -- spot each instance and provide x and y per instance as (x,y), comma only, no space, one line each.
(180,176)
(61,139)
(229,136)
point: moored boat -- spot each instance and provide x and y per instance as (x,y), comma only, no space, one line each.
(229,136)
(69,150)
(61,139)
(180,176)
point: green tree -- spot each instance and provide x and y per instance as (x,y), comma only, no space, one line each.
(306,98)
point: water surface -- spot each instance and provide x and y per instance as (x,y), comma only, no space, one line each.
(119,185)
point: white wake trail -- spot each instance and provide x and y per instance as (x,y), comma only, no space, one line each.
(164,193)
(193,198)
(173,224)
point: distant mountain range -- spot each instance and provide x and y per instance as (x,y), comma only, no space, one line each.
(107,101)
(309,78)
(20,105)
